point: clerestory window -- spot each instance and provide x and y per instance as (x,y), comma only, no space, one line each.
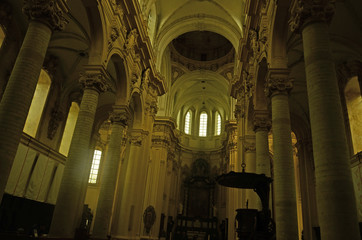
(188,122)
(203,124)
(218,124)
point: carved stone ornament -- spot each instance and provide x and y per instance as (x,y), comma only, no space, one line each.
(145,78)
(262,124)
(249,85)
(114,34)
(94,80)
(46,11)
(278,85)
(149,218)
(307,11)
(160,141)
(254,44)
(136,139)
(117,7)
(131,41)
(263,40)
(238,112)
(151,107)
(121,117)
(56,117)
(249,147)
(232,144)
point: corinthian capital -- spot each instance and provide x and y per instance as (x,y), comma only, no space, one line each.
(307,11)
(120,115)
(136,138)
(278,82)
(45,11)
(262,123)
(94,78)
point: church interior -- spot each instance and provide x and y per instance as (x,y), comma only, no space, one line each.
(181,119)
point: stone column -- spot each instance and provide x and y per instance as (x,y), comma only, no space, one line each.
(119,118)
(233,195)
(262,125)
(250,167)
(278,86)
(65,217)
(336,203)
(43,19)
(10,45)
(307,178)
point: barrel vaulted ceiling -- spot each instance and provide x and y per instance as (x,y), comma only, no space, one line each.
(197,84)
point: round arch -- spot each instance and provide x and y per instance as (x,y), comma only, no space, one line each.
(259,98)
(118,70)
(97,31)
(185,25)
(279,29)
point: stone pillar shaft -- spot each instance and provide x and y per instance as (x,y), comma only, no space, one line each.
(310,218)
(261,127)
(250,161)
(19,93)
(65,217)
(284,181)
(335,194)
(21,86)
(109,175)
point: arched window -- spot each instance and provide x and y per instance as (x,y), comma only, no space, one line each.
(218,124)
(95,166)
(2,36)
(354,108)
(203,124)
(69,129)
(188,122)
(37,104)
